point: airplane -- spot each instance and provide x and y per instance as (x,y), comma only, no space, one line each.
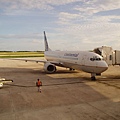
(3,80)
(86,61)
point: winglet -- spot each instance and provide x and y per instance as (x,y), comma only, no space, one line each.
(46,43)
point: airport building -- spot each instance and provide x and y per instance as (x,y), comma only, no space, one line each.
(112,57)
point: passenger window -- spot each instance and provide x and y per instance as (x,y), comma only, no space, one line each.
(97,59)
(92,59)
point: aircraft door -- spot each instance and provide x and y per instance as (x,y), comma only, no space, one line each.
(83,61)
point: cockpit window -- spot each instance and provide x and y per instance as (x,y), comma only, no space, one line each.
(95,58)
(92,59)
(98,59)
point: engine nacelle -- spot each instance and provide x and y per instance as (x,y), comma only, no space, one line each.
(49,68)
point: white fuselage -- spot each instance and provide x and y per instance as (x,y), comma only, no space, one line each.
(80,60)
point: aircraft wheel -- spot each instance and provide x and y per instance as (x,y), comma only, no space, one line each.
(93,78)
(71,69)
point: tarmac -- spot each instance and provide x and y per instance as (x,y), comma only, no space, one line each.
(66,95)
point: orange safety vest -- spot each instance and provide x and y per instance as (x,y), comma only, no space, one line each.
(39,83)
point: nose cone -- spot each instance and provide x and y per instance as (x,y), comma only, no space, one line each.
(101,67)
(104,66)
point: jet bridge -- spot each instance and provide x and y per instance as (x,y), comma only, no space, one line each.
(112,57)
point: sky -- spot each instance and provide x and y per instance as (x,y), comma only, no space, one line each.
(69,24)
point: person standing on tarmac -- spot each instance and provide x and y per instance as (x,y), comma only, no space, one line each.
(39,84)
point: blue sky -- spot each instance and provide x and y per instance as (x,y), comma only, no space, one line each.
(69,24)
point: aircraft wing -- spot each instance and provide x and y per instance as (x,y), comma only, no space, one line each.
(37,61)
(28,60)
(43,61)
(57,63)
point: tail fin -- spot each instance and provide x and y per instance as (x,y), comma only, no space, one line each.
(46,43)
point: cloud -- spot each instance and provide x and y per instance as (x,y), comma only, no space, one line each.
(23,4)
(22,36)
(86,24)
(33,4)
(85,7)
(95,6)
(25,7)
(14,42)
(90,32)
(66,18)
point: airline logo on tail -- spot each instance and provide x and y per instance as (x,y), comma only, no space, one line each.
(46,43)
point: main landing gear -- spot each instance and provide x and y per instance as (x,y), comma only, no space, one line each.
(71,69)
(93,78)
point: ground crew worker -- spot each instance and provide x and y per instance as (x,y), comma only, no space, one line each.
(39,84)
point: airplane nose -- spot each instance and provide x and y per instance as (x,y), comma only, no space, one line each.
(104,66)
(101,67)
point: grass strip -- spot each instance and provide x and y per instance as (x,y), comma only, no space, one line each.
(20,54)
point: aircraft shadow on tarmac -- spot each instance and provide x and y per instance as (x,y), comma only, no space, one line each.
(6,72)
(12,72)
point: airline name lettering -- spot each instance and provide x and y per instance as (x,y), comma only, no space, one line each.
(71,54)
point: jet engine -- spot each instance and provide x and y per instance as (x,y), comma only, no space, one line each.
(49,68)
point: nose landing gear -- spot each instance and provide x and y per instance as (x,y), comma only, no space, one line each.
(93,78)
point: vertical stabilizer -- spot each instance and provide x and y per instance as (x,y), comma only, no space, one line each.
(46,43)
